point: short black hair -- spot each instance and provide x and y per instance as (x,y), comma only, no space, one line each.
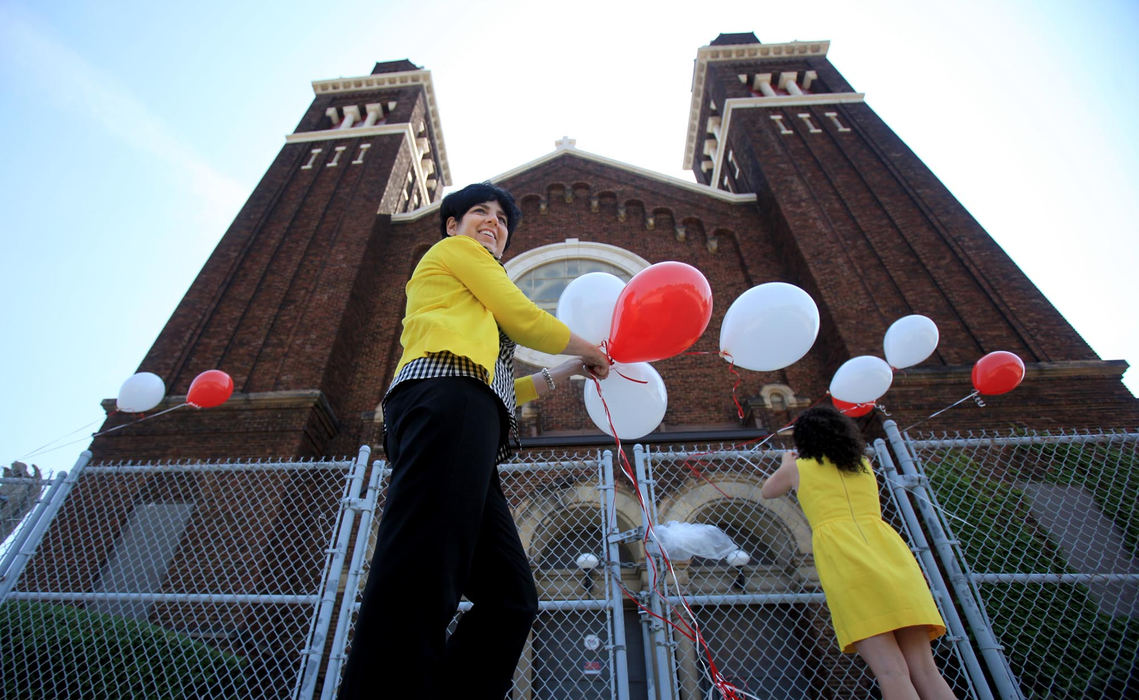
(822,431)
(459,202)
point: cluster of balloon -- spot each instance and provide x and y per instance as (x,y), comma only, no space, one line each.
(862,380)
(769,327)
(659,313)
(998,372)
(145,390)
(210,388)
(140,393)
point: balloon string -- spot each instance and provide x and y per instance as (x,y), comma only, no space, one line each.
(739,379)
(638,381)
(693,634)
(48,444)
(624,460)
(963,399)
(604,346)
(103,432)
(731,369)
(690,465)
(140,420)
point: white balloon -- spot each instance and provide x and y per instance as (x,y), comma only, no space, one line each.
(141,392)
(769,327)
(636,401)
(862,379)
(909,340)
(586,305)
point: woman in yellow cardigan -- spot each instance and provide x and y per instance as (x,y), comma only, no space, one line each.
(446,529)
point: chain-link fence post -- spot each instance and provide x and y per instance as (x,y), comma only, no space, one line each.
(348,604)
(333,569)
(898,486)
(607,487)
(24,529)
(14,565)
(659,637)
(999,670)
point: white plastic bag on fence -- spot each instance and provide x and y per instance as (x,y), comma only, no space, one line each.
(682,541)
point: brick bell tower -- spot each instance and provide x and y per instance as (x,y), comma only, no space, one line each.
(279,303)
(871,233)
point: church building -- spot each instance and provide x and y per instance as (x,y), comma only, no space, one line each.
(795,179)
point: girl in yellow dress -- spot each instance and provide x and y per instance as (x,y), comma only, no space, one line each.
(879,601)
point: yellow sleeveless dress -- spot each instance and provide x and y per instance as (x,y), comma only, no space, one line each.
(870,578)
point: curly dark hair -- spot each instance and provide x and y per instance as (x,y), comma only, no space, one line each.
(822,431)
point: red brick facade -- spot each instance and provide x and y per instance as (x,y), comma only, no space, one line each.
(301,301)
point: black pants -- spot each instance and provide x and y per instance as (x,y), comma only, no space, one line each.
(446,532)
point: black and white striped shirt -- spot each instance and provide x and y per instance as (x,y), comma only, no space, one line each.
(445,364)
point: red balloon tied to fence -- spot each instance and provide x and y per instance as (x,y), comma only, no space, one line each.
(997,373)
(210,388)
(854,410)
(661,312)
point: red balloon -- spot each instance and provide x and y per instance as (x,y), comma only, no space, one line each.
(210,388)
(854,410)
(661,312)
(997,373)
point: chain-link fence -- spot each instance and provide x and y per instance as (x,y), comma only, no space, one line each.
(222,580)
(1045,531)
(177,581)
(764,619)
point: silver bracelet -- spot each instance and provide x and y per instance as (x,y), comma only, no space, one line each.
(549,379)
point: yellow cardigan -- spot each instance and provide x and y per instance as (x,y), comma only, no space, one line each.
(457,297)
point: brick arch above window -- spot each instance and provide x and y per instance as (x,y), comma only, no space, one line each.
(588,256)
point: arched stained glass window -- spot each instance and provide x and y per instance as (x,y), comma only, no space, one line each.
(544,284)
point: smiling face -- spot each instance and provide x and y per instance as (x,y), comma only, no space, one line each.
(484,222)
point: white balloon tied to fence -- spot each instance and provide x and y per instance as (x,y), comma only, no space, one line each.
(862,379)
(769,327)
(141,392)
(910,340)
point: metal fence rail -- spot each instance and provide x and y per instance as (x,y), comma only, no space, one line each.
(1044,530)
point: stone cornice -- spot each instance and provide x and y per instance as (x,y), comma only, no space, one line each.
(301,398)
(735,103)
(356,132)
(384,81)
(401,129)
(707,54)
(721,195)
(1033,371)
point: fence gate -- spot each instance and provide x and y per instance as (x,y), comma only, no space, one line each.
(578,646)
(764,619)
(1039,536)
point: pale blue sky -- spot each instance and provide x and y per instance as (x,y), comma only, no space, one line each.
(135,130)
